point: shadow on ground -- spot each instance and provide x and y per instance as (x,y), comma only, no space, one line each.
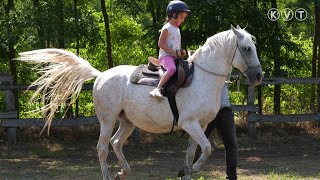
(161,157)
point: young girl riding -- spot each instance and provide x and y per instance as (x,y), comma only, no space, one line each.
(170,42)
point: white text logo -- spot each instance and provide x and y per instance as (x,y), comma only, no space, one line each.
(287,14)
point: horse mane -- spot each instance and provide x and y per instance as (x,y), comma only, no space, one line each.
(219,39)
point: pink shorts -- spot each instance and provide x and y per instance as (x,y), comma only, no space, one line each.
(168,63)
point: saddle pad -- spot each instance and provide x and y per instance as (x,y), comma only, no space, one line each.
(142,75)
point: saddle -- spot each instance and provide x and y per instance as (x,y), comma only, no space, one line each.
(150,75)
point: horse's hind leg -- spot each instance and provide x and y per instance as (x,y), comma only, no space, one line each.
(124,131)
(106,126)
(196,133)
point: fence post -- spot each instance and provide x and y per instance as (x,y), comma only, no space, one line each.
(10,106)
(251,125)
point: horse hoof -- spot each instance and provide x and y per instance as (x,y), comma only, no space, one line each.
(186,177)
(184,172)
(117,177)
(181,173)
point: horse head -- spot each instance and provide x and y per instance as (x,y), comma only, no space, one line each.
(245,57)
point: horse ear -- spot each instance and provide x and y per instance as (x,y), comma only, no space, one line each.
(237,32)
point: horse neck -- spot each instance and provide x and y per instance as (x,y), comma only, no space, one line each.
(216,60)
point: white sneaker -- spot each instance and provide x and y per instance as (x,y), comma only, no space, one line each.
(156,94)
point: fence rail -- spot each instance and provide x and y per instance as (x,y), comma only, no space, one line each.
(6,86)
(57,122)
(11,121)
(253,118)
(281,80)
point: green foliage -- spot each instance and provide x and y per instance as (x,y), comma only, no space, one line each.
(2,101)
(134,32)
(128,33)
(87,107)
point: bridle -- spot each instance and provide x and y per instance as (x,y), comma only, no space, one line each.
(221,75)
(248,66)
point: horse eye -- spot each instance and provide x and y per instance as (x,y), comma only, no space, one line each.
(247,49)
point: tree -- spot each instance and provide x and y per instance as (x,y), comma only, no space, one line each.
(155,16)
(11,40)
(39,22)
(277,62)
(60,24)
(75,2)
(107,31)
(128,33)
(316,46)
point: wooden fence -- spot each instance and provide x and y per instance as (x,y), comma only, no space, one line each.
(253,117)
(11,121)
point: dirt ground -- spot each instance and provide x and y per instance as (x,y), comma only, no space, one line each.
(159,157)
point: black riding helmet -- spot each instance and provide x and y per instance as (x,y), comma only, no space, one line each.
(177,7)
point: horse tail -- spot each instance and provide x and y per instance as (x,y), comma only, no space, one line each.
(63,74)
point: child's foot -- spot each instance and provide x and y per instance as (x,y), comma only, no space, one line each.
(156,93)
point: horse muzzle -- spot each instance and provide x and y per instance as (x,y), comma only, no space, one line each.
(254,75)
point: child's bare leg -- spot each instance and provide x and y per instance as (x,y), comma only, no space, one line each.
(168,64)
(166,76)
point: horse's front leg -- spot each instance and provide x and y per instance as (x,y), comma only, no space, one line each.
(197,136)
(191,151)
(187,169)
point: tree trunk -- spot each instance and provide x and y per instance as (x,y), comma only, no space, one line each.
(75,2)
(60,24)
(11,42)
(40,28)
(152,10)
(158,17)
(274,4)
(8,7)
(108,36)
(277,64)
(61,45)
(316,46)
(314,58)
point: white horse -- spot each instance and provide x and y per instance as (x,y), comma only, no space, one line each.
(115,98)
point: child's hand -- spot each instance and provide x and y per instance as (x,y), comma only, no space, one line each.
(181,53)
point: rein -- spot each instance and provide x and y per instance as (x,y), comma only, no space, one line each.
(213,72)
(205,70)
